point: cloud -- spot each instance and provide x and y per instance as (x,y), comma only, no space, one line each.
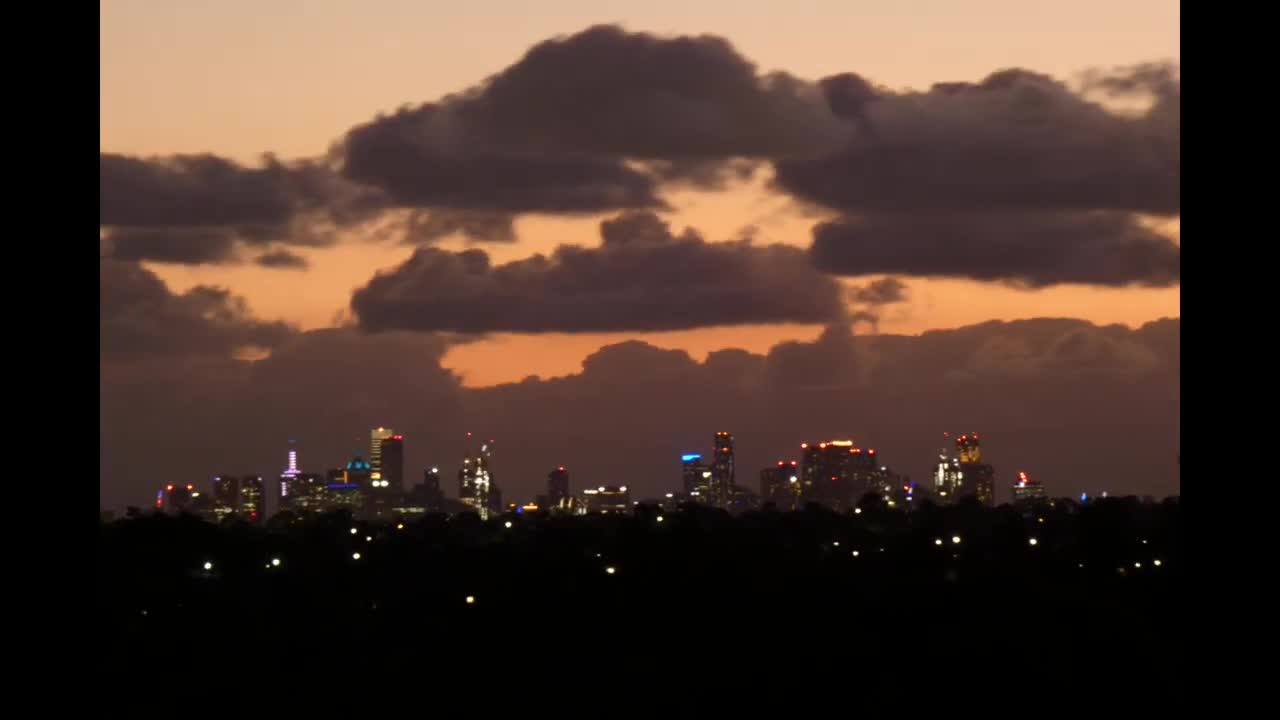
(199,209)
(884,291)
(558,130)
(475,226)
(139,315)
(1083,407)
(1016,141)
(282,259)
(643,277)
(1025,249)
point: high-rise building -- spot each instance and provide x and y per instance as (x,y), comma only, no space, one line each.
(1027,490)
(948,478)
(288,489)
(697,478)
(241,496)
(722,473)
(557,489)
(177,498)
(780,485)
(837,474)
(428,493)
(376,436)
(476,487)
(392,464)
(964,474)
(607,499)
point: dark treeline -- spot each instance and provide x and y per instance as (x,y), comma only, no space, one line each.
(1087,599)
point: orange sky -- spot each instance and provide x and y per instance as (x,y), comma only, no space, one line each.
(238,78)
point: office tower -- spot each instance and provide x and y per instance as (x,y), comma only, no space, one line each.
(722,474)
(376,436)
(428,493)
(948,478)
(836,474)
(307,493)
(966,474)
(557,488)
(252,499)
(241,496)
(607,499)
(697,477)
(475,480)
(780,485)
(392,464)
(1027,490)
(288,487)
(177,498)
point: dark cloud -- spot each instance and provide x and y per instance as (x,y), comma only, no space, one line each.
(139,315)
(555,131)
(884,291)
(641,278)
(183,245)
(476,226)
(1016,141)
(1026,249)
(282,259)
(197,209)
(1083,407)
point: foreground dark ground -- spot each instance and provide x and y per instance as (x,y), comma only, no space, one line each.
(1087,602)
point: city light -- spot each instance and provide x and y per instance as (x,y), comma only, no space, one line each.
(937,541)
(400,526)
(355,556)
(857,511)
(955,539)
(275,562)
(1033,541)
(354,531)
(659,518)
(611,570)
(208,566)
(368,538)
(507,524)
(1156,562)
(471,599)
(855,553)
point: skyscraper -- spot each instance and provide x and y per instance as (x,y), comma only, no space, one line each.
(376,436)
(697,477)
(475,480)
(392,460)
(722,474)
(835,473)
(607,499)
(288,489)
(780,485)
(558,488)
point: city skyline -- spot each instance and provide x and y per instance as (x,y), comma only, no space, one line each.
(700,220)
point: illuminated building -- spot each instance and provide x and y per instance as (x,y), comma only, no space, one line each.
(948,478)
(307,493)
(741,500)
(982,479)
(176,498)
(722,474)
(1027,490)
(557,488)
(780,485)
(697,478)
(392,463)
(386,477)
(288,489)
(607,499)
(475,481)
(238,495)
(964,474)
(376,436)
(837,474)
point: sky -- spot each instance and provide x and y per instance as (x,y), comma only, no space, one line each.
(820,187)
